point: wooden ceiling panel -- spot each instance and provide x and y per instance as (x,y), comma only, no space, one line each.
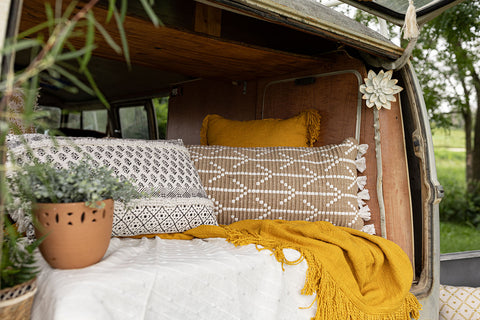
(188,53)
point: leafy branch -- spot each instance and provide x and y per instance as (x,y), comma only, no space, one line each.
(49,54)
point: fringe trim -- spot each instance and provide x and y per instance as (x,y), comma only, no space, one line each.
(361,182)
(203,131)
(369,229)
(362,196)
(312,122)
(365,213)
(361,164)
(332,303)
(362,150)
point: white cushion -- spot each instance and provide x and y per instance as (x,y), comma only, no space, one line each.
(459,303)
(160,168)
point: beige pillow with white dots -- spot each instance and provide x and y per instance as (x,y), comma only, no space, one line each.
(289,183)
(461,303)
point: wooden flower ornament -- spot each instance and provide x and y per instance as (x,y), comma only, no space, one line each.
(379,89)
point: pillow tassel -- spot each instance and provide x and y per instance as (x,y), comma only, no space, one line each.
(361,182)
(362,150)
(365,213)
(203,131)
(369,229)
(361,164)
(312,121)
(362,196)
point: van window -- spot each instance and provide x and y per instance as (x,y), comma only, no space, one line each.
(161,112)
(95,120)
(134,122)
(52,116)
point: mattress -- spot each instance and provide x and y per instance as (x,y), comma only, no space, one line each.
(176,279)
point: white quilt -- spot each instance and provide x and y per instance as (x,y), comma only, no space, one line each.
(175,279)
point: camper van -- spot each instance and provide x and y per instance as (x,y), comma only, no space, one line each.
(245,60)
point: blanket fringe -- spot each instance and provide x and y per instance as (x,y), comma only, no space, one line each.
(332,303)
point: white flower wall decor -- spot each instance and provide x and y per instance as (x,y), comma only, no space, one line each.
(379,89)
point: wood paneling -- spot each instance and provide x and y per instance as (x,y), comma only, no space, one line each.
(336,98)
(199,98)
(184,52)
(396,188)
(208,20)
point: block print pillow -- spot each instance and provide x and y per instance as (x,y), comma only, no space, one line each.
(459,303)
(162,169)
(318,183)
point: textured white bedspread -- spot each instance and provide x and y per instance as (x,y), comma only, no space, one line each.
(175,279)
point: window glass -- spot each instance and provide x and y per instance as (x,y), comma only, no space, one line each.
(161,112)
(51,117)
(95,120)
(73,120)
(134,122)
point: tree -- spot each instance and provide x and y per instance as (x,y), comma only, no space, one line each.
(448,60)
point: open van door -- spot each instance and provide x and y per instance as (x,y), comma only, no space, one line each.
(260,59)
(395,10)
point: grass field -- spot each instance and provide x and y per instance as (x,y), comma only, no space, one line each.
(450,161)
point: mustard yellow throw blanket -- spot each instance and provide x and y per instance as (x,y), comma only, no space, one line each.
(354,275)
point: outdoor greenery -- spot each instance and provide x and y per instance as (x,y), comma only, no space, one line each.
(446,59)
(161,112)
(459,209)
(458,237)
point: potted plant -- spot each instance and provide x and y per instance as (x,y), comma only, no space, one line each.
(50,42)
(72,209)
(18,274)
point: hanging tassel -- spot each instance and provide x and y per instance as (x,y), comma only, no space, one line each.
(410,28)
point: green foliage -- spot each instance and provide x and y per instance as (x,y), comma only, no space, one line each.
(446,58)
(458,205)
(17,263)
(161,111)
(43,183)
(456,237)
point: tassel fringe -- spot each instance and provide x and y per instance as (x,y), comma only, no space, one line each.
(203,131)
(362,196)
(362,150)
(361,182)
(369,229)
(365,213)
(361,164)
(312,122)
(332,303)
(410,27)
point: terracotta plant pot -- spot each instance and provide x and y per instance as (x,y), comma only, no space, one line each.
(77,236)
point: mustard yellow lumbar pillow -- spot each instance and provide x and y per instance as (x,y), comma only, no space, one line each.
(299,131)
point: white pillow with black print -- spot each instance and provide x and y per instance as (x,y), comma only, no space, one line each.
(161,169)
